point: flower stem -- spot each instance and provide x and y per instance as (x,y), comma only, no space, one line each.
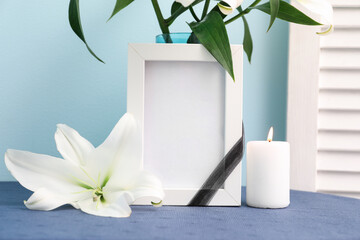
(246,11)
(163,25)
(206,8)
(194,14)
(180,11)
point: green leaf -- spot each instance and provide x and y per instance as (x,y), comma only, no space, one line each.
(247,42)
(175,6)
(274,10)
(120,4)
(212,34)
(192,39)
(180,10)
(75,23)
(288,13)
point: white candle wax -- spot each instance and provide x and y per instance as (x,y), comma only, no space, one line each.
(268,174)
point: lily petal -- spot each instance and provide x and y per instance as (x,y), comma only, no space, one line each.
(126,164)
(118,136)
(119,156)
(329,30)
(233,4)
(36,171)
(116,205)
(185,3)
(144,185)
(71,145)
(45,200)
(149,186)
(320,10)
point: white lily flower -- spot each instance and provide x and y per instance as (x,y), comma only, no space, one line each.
(185,3)
(101,181)
(233,4)
(321,11)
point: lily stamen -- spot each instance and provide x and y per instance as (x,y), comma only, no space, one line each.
(98,194)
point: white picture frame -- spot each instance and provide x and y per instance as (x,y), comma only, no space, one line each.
(141,54)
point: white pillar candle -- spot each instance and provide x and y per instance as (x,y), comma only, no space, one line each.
(268,173)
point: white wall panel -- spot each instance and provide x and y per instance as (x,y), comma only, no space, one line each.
(339,79)
(338,181)
(340,58)
(339,140)
(339,99)
(342,38)
(345,3)
(338,161)
(339,120)
(347,16)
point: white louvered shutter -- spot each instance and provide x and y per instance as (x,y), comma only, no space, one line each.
(338,156)
(334,165)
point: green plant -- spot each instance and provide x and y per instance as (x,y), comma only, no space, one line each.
(210,26)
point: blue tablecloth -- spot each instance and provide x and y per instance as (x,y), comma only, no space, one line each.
(310,216)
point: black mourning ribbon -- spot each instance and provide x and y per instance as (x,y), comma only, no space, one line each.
(222,171)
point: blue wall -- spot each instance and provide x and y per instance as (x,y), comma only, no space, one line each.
(48,77)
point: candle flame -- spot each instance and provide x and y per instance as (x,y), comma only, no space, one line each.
(270,134)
